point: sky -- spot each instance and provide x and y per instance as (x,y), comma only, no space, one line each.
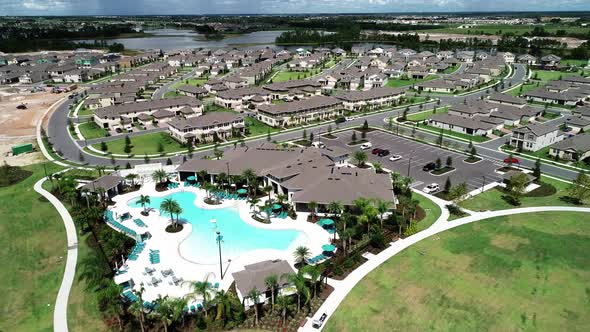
(171,7)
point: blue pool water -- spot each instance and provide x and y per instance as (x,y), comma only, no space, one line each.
(238,236)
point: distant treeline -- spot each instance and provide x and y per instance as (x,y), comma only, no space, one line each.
(351,35)
(34,38)
(17,46)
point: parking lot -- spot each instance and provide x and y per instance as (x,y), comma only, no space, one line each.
(416,155)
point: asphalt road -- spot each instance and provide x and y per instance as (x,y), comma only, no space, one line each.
(415,155)
(71,150)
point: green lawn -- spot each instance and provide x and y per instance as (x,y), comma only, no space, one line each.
(452,69)
(91,130)
(396,83)
(83,311)
(573,62)
(525,88)
(548,75)
(257,127)
(283,75)
(33,255)
(492,199)
(526,272)
(416,117)
(190,81)
(144,144)
(171,94)
(432,211)
(474,138)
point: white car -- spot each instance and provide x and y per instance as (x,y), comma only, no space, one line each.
(395,157)
(317,323)
(318,145)
(366,146)
(431,188)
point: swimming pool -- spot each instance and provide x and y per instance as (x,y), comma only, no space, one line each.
(239,237)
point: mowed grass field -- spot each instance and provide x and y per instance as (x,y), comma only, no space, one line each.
(525,272)
(492,199)
(144,144)
(396,83)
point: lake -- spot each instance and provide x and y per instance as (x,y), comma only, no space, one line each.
(168,39)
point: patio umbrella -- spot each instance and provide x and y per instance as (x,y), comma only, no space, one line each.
(191,178)
(326,222)
(276,206)
(242,191)
(328,247)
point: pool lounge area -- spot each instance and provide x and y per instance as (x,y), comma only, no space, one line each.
(165,262)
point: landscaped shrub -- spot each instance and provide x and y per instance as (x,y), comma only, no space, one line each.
(10,175)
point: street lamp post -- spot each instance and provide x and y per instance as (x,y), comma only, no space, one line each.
(410,161)
(218,239)
(484,183)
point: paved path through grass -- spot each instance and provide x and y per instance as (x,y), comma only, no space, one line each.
(60,320)
(342,288)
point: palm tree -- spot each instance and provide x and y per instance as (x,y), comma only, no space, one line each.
(283,304)
(298,280)
(225,302)
(382,208)
(312,206)
(109,296)
(301,254)
(378,167)
(360,158)
(92,271)
(171,206)
(136,309)
(131,177)
(254,295)
(253,201)
(249,175)
(159,175)
(163,312)
(267,189)
(177,210)
(143,201)
(272,281)
(335,208)
(314,272)
(202,174)
(202,289)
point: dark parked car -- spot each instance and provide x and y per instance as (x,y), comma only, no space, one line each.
(376,151)
(340,119)
(429,167)
(21,107)
(383,153)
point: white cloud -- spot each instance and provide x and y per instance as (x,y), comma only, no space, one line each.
(44,4)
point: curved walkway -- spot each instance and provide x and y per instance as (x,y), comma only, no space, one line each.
(60,319)
(343,287)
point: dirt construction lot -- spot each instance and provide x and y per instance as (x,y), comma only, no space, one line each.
(18,126)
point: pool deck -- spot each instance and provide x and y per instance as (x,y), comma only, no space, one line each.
(171,257)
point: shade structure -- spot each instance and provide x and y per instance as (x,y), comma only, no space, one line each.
(328,247)
(191,178)
(276,206)
(242,191)
(326,222)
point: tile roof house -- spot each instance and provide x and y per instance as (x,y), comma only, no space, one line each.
(533,137)
(573,148)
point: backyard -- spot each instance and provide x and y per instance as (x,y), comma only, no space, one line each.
(91,130)
(396,83)
(524,272)
(144,144)
(492,199)
(190,81)
(283,75)
(421,116)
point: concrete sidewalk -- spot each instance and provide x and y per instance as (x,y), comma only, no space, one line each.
(342,288)
(60,319)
